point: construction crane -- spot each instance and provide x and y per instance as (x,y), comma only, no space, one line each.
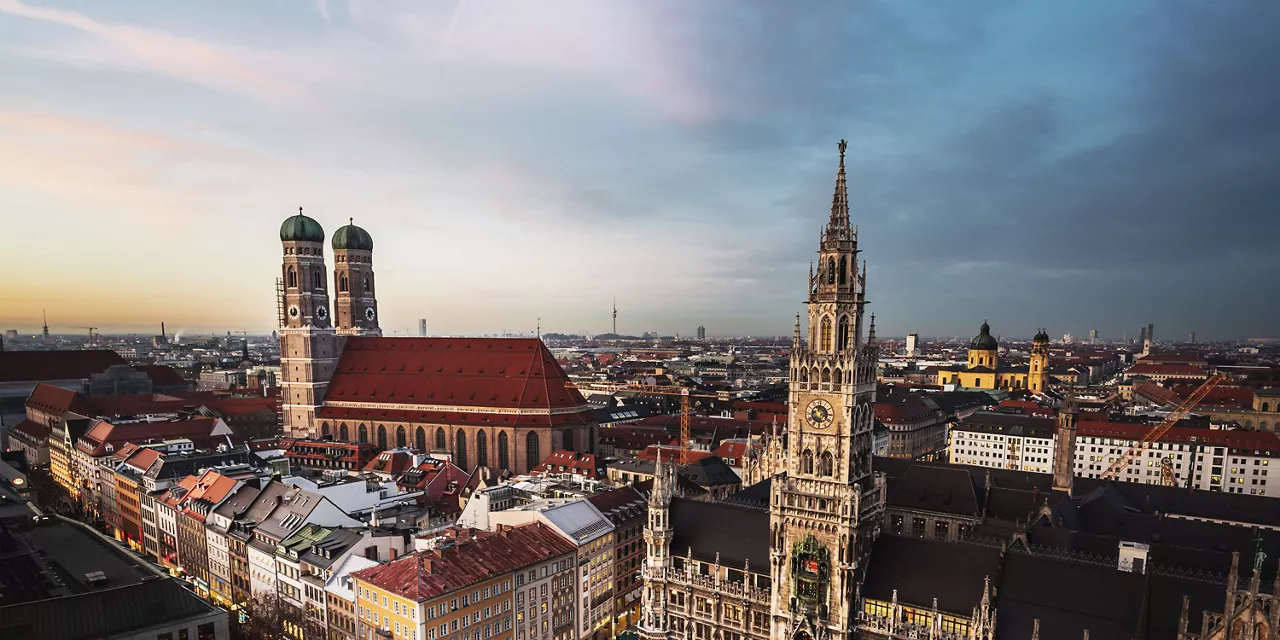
(686,407)
(91,330)
(1157,432)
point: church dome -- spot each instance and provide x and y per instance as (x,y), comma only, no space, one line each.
(984,341)
(1041,336)
(352,237)
(301,228)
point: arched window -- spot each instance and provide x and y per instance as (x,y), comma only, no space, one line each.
(342,282)
(344,434)
(363,433)
(804,374)
(441,445)
(1266,406)
(460,446)
(503,460)
(292,277)
(317,281)
(831,271)
(842,334)
(806,462)
(826,375)
(382,437)
(836,378)
(482,449)
(532,454)
(825,345)
(844,270)
(368,284)
(827,464)
(420,439)
(566,440)
(324,429)
(401,440)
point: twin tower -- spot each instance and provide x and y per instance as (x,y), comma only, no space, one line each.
(311,338)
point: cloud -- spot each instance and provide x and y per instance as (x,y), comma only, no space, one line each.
(178,57)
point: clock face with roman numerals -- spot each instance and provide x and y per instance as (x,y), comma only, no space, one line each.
(293,311)
(819,414)
(369,314)
(322,312)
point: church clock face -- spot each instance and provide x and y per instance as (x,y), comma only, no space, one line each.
(819,414)
(293,311)
(369,314)
(322,312)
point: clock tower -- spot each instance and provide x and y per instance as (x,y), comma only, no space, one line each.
(308,346)
(826,506)
(355,309)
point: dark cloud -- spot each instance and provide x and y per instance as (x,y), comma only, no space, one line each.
(1134,179)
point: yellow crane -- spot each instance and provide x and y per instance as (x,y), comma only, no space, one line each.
(1136,451)
(686,408)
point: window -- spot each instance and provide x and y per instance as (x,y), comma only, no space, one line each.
(825,345)
(532,454)
(292,277)
(842,334)
(420,439)
(482,450)
(382,437)
(342,282)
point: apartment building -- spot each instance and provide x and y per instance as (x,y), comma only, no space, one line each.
(464,588)
(1234,461)
(625,508)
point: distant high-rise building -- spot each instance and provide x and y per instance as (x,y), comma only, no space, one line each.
(912,340)
(1191,337)
(422,327)
(1093,336)
(702,332)
(1068,338)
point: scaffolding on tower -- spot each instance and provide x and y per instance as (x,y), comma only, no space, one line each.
(279,302)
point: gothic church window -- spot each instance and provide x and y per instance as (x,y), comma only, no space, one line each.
(344,434)
(382,437)
(831,271)
(836,377)
(342,282)
(292,277)
(420,439)
(566,440)
(363,433)
(317,281)
(401,440)
(825,345)
(532,457)
(502,450)
(842,334)
(482,449)
(368,285)
(460,445)
(844,269)
(441,445)
(826,375)
(806,462)
(826,465)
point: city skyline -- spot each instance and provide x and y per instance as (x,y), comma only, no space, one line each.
(1090,181)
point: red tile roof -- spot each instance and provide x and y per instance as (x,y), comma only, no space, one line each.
(508,373)
(669,452)
(390,462)
(212,487)
(32,430)
(725,427)
(1030,408)
(429,574)
(732,452)
(56,400)
(102,433)
(143,457)
(1156,393)
(1266,441)
(898,409)
(454,417)
(1220,396)
(561,461)
(24,366)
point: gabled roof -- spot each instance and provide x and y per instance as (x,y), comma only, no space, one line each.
(508,373)
(429,574)
(562,461)
(31,366)
(103,433)
(56,400)
(1152,368)
(32,430)
(735,534)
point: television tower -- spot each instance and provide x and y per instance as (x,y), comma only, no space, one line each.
(615,316)
(45,332)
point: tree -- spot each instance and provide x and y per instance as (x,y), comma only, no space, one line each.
(273,617)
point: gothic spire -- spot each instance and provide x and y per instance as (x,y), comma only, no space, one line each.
(840,200)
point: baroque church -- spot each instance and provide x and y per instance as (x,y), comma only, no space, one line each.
(503,403)
(829,543)
(983,370)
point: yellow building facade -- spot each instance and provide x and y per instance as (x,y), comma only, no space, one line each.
(983,370)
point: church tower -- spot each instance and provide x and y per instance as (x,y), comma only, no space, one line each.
(355,307)
(826,507)
(1038,367)
(308,349)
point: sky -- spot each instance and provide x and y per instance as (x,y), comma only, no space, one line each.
(1071,165)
